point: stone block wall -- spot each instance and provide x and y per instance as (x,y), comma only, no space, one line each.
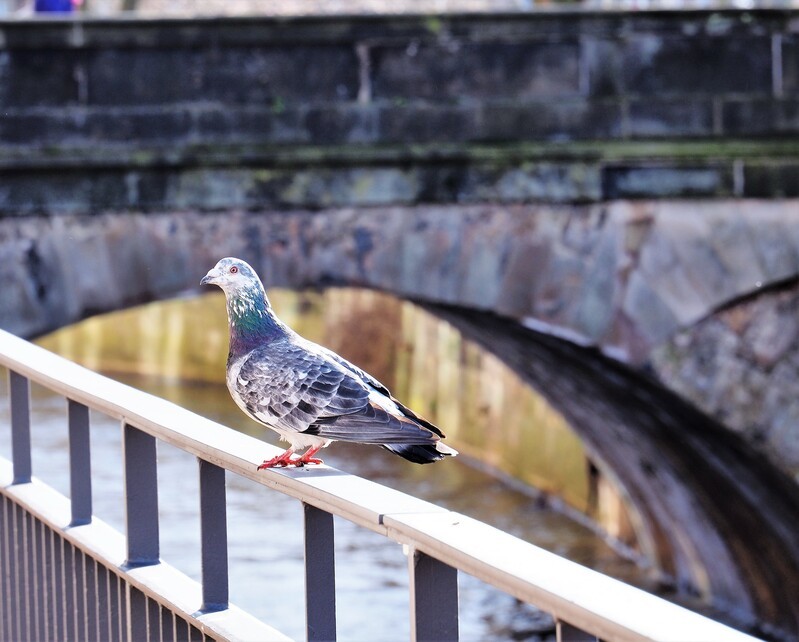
(557,106)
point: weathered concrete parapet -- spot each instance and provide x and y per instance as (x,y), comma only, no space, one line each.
(284,113)
(660,285)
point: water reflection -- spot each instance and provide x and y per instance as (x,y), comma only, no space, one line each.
(177,350)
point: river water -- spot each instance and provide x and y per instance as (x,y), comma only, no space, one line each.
(176,350)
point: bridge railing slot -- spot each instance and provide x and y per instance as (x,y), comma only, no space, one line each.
(568,633)
(434,598)
(19,393)
(80,473)
(213,537)
(320,575)
(141,497)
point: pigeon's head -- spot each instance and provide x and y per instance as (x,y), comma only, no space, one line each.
(231,275)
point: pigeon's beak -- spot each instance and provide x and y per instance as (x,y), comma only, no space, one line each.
(210,278)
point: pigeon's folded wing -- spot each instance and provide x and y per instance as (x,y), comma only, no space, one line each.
(289,387)
(374,383)
(294,388)
(348,365)
(373,425)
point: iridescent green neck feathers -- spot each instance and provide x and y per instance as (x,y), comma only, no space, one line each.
(251,319)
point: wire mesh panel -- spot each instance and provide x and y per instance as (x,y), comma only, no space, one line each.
(52,590)
(6,570)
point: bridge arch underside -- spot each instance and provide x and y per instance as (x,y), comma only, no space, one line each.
(704,296)
(701,295)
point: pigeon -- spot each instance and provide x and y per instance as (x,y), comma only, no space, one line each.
(308,394)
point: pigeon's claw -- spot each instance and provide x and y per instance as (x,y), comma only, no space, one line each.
(284,459)
(308,457)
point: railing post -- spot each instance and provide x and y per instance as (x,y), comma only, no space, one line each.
(141,497)
(80,476)
(320,575)
(213,537)
(19,393)
(434,598)
(568,633)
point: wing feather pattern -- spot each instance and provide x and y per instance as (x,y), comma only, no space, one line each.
(374,383)
(294,385)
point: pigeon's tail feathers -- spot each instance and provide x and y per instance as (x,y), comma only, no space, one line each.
(382,390)
(447,451)
(372,424)
(422,453)
(417,418)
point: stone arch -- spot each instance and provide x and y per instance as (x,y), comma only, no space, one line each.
(633,279)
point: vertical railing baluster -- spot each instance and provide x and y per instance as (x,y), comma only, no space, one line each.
(59,586)
(195,634)
(434,598)
(5,573)
(16,572)
(114,608)
(70,592)
(80,480)
(320,575)
(25,586)
(79,573)
(122,607)
(104,612)
(168,626)
(183,629)
(90,598)
(47,581)
(13,565)
(137,614)
(141,497)
(213,537)
(40,605)
(153,621)
(567,633)
(19,394)
(6,579)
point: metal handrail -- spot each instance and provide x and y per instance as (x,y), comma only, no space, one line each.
(438,540)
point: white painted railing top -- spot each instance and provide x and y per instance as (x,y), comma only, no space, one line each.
(585,599)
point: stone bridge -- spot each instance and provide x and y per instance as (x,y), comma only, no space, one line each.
(621,180)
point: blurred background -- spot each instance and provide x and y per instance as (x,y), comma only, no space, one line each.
(162,8)
(568,234)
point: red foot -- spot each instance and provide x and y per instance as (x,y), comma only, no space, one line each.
(284,459)
(308,457)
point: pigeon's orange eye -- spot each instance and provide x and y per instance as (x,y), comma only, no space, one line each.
(234,269)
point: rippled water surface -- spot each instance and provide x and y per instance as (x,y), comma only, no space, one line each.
(176,350)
